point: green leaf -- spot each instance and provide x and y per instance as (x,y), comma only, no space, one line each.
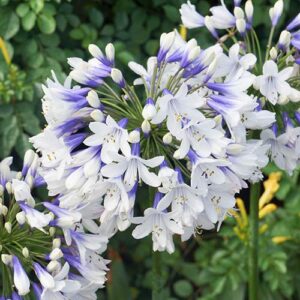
(125,57)
(108,30)
(50,40)
(22,144)
(171,12)
(28,21)
(61,22)
(121,20)
(183,288)
(28,120)
(5,110)
(35,61)
(30,48)
(96,17)
(77,34)
(118,287)
(22,9)
(49,9)
(9,23)
(151,47)
(10,134)
(36,5)
(46,23)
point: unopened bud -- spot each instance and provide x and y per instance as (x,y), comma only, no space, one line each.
(149,110)
(110,52)
(93,99)
(194,53)
(20,217)
(275,12)
(249,11)
(6,258)
(273,53)
(210,26)
(29,157)
(95,51)
(97,115)
(284,40)
(283,100)
(3,210)
(7,227)
(176,154)
(167,40)
(117,77)
(134,136)
(56,243)
(56,254)
(30,180)
(51,231)
(25,252)
(53,265)
(146,127)
(8,187)
(238,13)
(241,26)
(212,68)
(167,138)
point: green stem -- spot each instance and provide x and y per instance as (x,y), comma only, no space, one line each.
(156,262)
(269,42)
(253,243)
(156,273)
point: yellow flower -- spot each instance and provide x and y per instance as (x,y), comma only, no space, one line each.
(4,51)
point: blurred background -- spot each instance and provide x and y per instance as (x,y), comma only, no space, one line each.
(37,36)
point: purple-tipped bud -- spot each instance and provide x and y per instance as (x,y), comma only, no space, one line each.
(164,164)
(149,110)
(297,116)
(117,77)
(294,23)
(166,92)
(157,198)
(276,12)
(136,149)
(123,122)
(286,120)
(37,291)
(15,296)
(275,129)
(166,42)
(193,157)
(179,175)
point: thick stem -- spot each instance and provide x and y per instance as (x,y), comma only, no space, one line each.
(157,279)
(253,243)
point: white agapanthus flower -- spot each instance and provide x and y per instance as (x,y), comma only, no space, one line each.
(273,83)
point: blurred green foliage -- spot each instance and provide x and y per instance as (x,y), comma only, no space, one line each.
(39,36)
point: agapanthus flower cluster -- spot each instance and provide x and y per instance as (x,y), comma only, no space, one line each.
(36,258)
(194,128)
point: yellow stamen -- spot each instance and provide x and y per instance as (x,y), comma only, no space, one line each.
(269,208)
(280,239)
(183,32)
(263,228)
(271,186)
(241,206)
(4,51)
(237,216)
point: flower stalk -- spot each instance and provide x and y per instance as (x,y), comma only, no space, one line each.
(253,242)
